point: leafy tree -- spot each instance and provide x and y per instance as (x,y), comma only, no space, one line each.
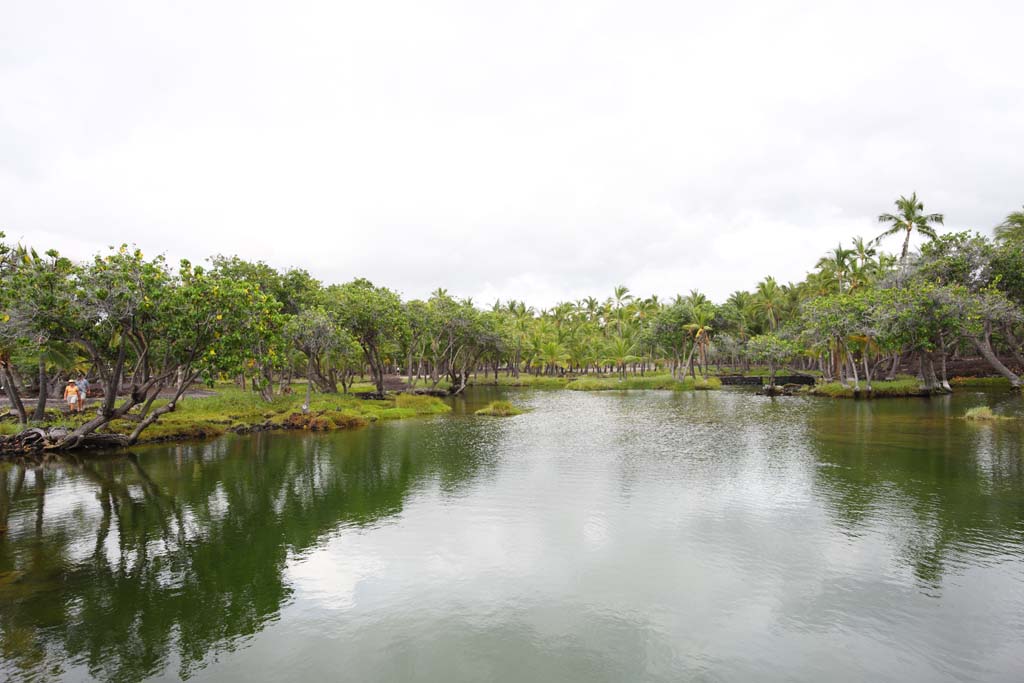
(373,315)
(37,315)
(773,350)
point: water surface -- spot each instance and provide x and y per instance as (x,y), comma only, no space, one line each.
(634,536)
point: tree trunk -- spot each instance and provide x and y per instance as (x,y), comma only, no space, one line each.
(689,361)
(894,367)
(1015,347)
(931,381)
(853,368)
(944,379)
(309,385)
(183,384)
(11,389)
(984,346)
(40,413)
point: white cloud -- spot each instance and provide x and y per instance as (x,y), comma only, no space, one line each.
(535,150)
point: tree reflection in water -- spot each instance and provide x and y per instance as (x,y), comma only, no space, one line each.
(941,489)
(123,564)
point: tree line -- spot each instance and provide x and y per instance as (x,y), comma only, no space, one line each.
(142,329)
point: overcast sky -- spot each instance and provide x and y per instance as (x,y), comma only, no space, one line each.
(537,150)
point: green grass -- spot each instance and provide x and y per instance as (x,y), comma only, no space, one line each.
(648,382)
(499,409)
(762,371)
(984,414)
(9,428)
(421,405)
(902,386)
(993,382)
(231,408)
(524,380)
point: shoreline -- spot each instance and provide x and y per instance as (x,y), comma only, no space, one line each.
(227,410)
(211,413)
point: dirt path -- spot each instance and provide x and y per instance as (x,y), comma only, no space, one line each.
(93,401)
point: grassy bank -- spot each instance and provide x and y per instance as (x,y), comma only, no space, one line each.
(899,387)
(603,382)
(903,386)
(524,380)
(607,382)
(649,382)
(231,409)
(980,382)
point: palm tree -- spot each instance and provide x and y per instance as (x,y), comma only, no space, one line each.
(737,311)
(622,295)
(837,263)
(863,252)
(768,300)
(619,354)
(553,354)
(862,275)
(697,298)
(701,329)
(1012,229)
(910,216)
(521,319)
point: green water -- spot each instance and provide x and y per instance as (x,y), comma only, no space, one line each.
(600,537)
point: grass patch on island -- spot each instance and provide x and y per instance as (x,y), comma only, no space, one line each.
(984,414)
(500,409)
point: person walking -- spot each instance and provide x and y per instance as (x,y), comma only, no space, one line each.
(83,389)
(73,397)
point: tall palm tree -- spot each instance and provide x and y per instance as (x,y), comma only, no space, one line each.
(1012,229)
(619,353)
(863,252)
(910,216)
(701,329)
(697,298)
(862,275)
(837,263)
(622,295)
(768,301)
(554,356)
(737,310)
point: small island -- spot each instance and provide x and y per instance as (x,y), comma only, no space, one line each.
(500,409)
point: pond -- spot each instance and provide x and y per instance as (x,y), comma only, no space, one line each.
(623,536)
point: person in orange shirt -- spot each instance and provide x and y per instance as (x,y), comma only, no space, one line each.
(73,396)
